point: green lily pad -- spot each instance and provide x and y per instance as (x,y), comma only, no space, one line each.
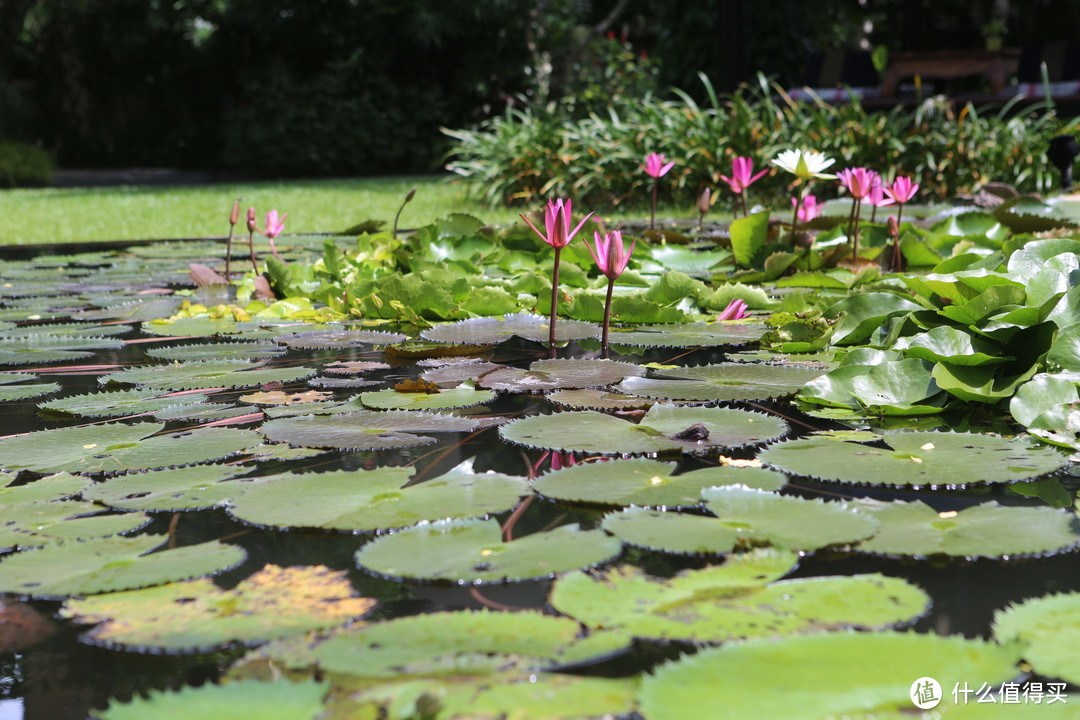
(559,374)
(209,412)
(1049,628)
(118,403)
(37,524)
(207,374)
(838,674)
(673,532)
(173,490)
(365,430)
(110,564)
(246,700)
(233,350)
(647,483)
(586,431)
(51,487)
(917,458)
(69,329)
(455,374)
(10,392)
(197,615)
(493,330)
(327,339)
(592,399)
(698,334)
(721,382)
(473,551)
(985,530)
(444,400)
(116,448)
(190,327)
(373,500)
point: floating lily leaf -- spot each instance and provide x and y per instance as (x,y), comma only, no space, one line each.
(69,330)
(36,524)
(1049,628)
(824,675)
(364,430)
(110,564)
(493,330)
(278,398)
(353,367)
(322,407)
(234,350)
(671,532)
(134,310)
(591,399)
(791,522)
(207,374)
(190,327)
(373,500)
(916,458)
(445,400)
(173,490)
(645,482)
(245,700)
(722,382)
(473,551)
(268,452)
(457,373)
(559,374)
(738,599)
(339,382)
(116,448)
(986,530)
(209,412)
(10,392)
(663,428)
(687,335)
(197,615)
(328,339)
(52,487)
(52,348)
(118,403)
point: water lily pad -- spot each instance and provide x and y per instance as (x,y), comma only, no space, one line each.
(365,430)
(445,400)
(373,500)
(493,330)
(110,564)
(458,373)
(10,392)
(353,367)
(327,339)
(556,374)
(647,483)
(739,599)
(51,487)
(663,428)
(69,329)
(673,532)
(197,615)
(985,530)
(190,327)
(592,399)
(916,458)
(121,402)
(36,524)
(207,374)
(698,334)
(473,551)
(173,490)
(277,398)
(218,351)
(246,700)
(116,447)
(837,674)
(1049,629)
(209,412)
(721,382)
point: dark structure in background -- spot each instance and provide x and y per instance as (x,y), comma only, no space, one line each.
(325,87)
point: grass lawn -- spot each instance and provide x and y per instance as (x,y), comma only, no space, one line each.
(55,215)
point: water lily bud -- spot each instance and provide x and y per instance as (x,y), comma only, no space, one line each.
(251,223)
(894,227)
(703,201)
(408,197)
(234,216)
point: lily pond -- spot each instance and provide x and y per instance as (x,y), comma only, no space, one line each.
(384,495)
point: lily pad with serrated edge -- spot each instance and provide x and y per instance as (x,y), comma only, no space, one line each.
(787,521)
(673,532)
(269,452)
(647,483)
(209,412)
(473,551)
(986,530)
(722,382)
(558,374)
(190,327)
(353,367)
(331,339)
(233,350)
(40,356)
(116,447)
(493,330)
(110,564)
(445,400)
(173,490)
(916,457)
(836,674)
(197,615)
(36,524)
(1049,629)
(698,334)
(586,431)
(51,487)
(277,398)
(368,501)
(119,402)
(244,700)
(454,375)
(742,598)
(365,430)
(320,407)
(207,374)
(11,392)
(63,330)
(592,399)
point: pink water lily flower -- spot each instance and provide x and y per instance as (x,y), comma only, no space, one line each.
(742,176)
(655,166)
(876,197)
(902,190)
(610,253)
(858,181)
(557,223)
(736,310)
(807,210)
(274,227)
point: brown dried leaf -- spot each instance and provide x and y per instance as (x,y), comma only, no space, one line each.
(417,385)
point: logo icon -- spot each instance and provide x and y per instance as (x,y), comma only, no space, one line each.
(925,693)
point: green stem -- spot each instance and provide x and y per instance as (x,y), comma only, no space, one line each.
(251,249)
(652,215)
(795,214)
(607,316)
(745,206)
(855,237)
(228,251)
(554,299)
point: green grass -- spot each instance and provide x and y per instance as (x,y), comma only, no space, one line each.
(64,215)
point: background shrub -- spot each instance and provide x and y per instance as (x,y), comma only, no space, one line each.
(24,165)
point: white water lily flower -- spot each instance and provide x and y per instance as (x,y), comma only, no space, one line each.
(804,163)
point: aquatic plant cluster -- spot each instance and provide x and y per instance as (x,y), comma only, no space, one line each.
(741,454)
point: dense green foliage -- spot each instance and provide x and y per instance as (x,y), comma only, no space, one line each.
(23,165)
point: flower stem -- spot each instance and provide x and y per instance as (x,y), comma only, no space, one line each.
(652,215)
(855,235)
(228,252)
(251,249)
(795,214)
(745,207)
(897,256)
(554,299)
(607,316)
